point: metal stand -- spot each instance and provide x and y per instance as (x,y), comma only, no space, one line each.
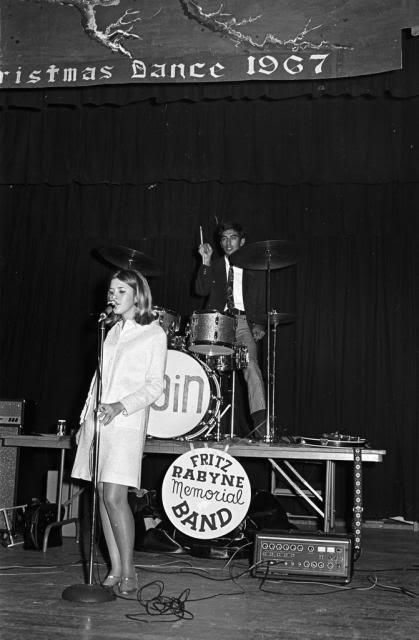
(274,328)
(266,255)
(93,593)
(233,403)
(274,320)
(10,532)
(269,431)
(219,435)
(218,432)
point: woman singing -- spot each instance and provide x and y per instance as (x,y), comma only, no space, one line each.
(134,360)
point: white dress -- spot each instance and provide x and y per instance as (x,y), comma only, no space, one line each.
(134,362)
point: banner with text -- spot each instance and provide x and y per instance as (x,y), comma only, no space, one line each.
(51,43)
(206,493)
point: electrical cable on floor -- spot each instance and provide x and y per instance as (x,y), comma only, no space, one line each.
(162,608)
(333,588)
(173,608)
(198,572)
(387,587)
(39,566)
(413,567)
(160,605)
(31,573)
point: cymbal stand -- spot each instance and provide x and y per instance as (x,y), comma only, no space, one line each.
(218,430)
(230,406)
(269,435)
(233,403)
(273,375)
(218,423)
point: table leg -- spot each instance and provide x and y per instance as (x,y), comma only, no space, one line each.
(60,484)
(329,497)
(58,522)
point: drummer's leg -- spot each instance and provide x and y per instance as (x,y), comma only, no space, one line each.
(252,373)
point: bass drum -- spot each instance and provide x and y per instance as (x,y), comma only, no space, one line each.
(190,402)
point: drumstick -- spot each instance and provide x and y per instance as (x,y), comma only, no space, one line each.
(200,233)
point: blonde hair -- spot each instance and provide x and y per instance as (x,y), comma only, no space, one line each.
(142,295)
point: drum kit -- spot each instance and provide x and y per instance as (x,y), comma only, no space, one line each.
(203,359)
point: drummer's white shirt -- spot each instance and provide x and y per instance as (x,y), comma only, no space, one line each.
(237,285)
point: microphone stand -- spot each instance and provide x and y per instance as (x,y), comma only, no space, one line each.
(93,593)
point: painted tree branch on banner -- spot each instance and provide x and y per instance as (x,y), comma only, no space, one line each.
(115,33)
(226,23)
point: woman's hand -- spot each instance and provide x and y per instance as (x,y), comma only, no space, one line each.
(107,412)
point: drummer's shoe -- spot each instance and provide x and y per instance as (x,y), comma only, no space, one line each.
(258,431)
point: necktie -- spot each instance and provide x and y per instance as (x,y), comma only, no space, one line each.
(230,281)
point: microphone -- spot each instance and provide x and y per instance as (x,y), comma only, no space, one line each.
(107,311)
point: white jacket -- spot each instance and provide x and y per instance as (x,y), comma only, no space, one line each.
(134,362)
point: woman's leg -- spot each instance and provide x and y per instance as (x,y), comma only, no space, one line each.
(113,550)
(120,528)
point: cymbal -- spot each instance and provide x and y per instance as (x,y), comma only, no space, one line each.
(276,318)
(276,254)
(126,258)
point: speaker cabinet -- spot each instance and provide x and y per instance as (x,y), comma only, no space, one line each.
(9,463)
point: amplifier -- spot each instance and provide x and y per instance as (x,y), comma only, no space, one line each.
(9,463)
(11,412)
(291,555)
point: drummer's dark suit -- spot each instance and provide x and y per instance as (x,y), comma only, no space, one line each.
(211,281)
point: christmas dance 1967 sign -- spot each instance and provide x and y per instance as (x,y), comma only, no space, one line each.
(50,43)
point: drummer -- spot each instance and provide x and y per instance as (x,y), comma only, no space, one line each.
(241,293)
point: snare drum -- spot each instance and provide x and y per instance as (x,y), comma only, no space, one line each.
(190,402)
(168,320)
(235,361)
(212,333)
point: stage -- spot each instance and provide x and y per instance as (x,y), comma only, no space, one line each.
(280,455)
(220,599)
(185,597)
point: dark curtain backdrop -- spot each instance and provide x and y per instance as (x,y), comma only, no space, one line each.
(334,168)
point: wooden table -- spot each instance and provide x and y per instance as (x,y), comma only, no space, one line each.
(46,441)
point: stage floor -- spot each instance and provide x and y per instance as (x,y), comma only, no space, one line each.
(221,601)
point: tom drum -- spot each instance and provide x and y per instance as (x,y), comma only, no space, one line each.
(168,320)
(212,333)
